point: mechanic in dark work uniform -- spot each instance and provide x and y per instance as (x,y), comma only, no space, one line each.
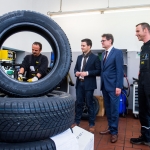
(143,34)
(35,64)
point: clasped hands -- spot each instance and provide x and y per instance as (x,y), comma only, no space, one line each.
(82,74)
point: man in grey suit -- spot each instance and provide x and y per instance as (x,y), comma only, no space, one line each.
(111,84)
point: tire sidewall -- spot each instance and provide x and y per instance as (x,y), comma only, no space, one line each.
(35,118)
(60,43)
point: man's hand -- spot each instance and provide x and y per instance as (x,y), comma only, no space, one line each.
(118,91)
(78,74)
(20,77)
(83,74)
(33,79)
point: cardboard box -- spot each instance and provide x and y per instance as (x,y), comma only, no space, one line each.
(85,138)
(66,141)
(80,139)
(101,105)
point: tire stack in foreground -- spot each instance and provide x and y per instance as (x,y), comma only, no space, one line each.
(33,112)
(34,119)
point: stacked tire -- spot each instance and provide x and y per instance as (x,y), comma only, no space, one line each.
(30,113)
(85,114)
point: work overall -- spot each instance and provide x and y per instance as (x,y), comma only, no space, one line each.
(144,91)
(33,69)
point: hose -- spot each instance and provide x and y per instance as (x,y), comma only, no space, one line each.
(128,88)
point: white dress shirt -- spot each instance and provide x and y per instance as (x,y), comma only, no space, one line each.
(110,48)
(81,67)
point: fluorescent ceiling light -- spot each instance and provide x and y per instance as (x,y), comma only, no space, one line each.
(74,14)
(98,11)
(127,10)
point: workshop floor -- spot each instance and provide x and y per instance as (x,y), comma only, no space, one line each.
(128,127)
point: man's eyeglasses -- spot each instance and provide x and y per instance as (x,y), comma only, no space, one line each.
(103,40)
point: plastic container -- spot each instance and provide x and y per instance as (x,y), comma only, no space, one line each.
(10,73)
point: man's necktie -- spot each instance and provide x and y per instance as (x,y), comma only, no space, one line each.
(84,60)
(106,52)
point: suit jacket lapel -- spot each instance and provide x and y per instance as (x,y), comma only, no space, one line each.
(109,56)
(80,61)
(89,60)
(103,54)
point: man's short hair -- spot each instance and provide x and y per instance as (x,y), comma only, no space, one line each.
(109,37)
(144,25)
(88,42)
(38,43)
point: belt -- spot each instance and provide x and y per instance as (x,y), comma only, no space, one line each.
(82,80)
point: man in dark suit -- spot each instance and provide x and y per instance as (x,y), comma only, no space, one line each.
(86,69)
(111,84)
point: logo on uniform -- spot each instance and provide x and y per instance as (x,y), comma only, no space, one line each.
(145,56)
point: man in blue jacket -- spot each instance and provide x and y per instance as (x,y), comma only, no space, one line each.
(111,84)
(86,69)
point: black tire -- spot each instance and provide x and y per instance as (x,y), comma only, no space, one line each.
(18,21)
(136,116)
(37,118)
(85,114)
(64,85)
(37,145)
(122,115)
